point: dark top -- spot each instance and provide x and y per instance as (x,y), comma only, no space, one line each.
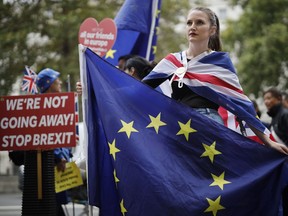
(279,122)
(184,94)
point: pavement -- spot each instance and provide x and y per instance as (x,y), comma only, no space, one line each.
(11,200)
(11,205)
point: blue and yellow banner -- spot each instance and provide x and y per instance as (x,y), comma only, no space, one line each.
(150,155)
(137,30)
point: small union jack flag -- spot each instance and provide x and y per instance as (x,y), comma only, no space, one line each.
(29,81)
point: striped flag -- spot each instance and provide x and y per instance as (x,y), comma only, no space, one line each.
(213,76)
(29,81)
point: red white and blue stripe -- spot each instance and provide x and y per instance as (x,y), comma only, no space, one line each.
(213,76)
(29,81)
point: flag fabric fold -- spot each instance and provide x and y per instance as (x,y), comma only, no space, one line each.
(150,155)
(136,23)
(213,76)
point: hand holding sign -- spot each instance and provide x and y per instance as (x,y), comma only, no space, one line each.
(98,37)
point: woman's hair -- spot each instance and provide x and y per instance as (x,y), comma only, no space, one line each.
(214,40)
(141,65)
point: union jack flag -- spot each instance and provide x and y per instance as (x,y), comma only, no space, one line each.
(29,81)
(213,76)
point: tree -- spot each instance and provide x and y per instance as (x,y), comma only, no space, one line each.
(44,34)
(259,41)
(172,18)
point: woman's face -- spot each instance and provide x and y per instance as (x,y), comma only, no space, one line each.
(198,27)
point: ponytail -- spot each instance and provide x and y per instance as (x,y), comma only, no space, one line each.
(214,40)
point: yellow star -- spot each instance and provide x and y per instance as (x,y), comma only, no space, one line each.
(110,54)
(210,151)
(157,30)
(113,149)
(156,122)
(123,209)
(127,128)
(154,49)
(214,206)
(115,177)
(185,129)
(158,12)
(219,180)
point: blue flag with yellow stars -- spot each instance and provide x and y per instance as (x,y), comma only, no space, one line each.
(137,24)
(151,155)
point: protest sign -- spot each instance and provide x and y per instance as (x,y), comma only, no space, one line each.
(41,121)
(98,37)
(68,179)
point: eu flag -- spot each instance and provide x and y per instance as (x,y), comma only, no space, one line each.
(150,155)
(137,23)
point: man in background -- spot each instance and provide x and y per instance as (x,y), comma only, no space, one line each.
(278,127)
(48,82)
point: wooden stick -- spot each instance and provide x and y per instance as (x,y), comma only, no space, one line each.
(39,173)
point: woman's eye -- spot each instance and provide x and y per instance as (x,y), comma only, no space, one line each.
(199,22)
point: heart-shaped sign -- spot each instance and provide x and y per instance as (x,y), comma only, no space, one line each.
(98,37)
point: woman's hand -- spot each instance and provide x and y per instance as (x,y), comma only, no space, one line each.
(278,146)
(267,141)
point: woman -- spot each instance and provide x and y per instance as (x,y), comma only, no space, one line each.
(204,78)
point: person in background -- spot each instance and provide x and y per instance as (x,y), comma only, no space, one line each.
(48,82)
(200,75)
(121,65)
(278,126)
(122,61)
(285,99)
(278,113)
(138,67)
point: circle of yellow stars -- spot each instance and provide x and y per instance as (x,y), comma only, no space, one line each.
(210,151)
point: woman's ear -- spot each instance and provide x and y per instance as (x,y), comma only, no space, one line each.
(213,30)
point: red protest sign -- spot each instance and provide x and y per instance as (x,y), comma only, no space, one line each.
(42,121)
(98,37)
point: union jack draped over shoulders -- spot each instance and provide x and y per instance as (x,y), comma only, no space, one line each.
(29,81)
(213,76)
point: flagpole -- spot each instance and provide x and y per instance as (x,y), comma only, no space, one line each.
(68,83)
(83,78)
(152,29)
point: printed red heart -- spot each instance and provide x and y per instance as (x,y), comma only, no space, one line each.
(98,37)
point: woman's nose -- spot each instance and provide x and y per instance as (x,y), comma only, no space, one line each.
(193,26)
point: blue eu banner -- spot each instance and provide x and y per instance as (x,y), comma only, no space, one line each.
(150,155)
(137,23)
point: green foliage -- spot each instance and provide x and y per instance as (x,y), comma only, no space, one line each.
(44,34)
(259,40)
(173,15)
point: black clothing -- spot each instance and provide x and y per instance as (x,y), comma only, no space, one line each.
(279,122)
(185,95)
